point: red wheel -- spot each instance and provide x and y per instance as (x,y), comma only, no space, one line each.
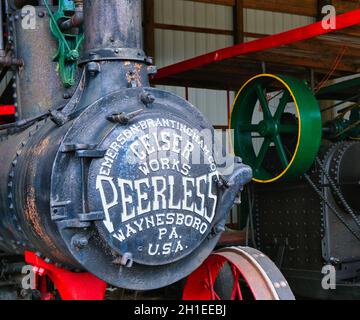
(237,273)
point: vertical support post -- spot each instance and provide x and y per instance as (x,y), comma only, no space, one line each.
(2,49)
(228,135)
(228,106)
(187,93)
(149,28)
(320,5)
(312,80)
(238,12)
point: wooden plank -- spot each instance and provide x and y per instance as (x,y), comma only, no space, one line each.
(303,7)
(352,32)
(325,48)
(175,27)
(229,3)
(345,6)
(281,57)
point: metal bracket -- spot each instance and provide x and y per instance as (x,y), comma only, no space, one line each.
(92,216)
(83,220)
(94,154)
(73,147)
(126,54)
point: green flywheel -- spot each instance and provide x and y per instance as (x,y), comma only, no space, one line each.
(282,140)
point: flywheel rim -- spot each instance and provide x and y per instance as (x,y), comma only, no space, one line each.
(308,130)
(262,277)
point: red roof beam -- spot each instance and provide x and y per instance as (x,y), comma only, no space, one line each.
(343,21)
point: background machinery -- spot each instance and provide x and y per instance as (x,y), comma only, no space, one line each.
(304,201)
(295,122)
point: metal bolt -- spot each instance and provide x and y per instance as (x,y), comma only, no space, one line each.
(152,70)
(217,181)
(73,55)
(123,118)
(221,182)
(59,119)
(66,95)
(147,98)
(127,260)
(80,242)
(41,14)
(119,118)
(238,160)
(149,60)
(334,261)
(93,68)
(219,228)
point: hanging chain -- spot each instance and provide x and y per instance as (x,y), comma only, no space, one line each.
(337,214)
(338,193)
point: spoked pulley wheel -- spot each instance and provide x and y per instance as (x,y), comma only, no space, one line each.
(286,132)
(237,273)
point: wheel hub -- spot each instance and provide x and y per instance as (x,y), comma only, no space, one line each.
(268,128)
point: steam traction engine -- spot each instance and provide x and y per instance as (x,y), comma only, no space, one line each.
(104,179)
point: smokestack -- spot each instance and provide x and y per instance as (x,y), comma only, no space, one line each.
(112,51)
(113,24)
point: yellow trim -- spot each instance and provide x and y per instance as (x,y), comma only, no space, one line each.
(299,119)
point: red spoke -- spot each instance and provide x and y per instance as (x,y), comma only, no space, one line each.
(236,292)
(239,291)
(214,295)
